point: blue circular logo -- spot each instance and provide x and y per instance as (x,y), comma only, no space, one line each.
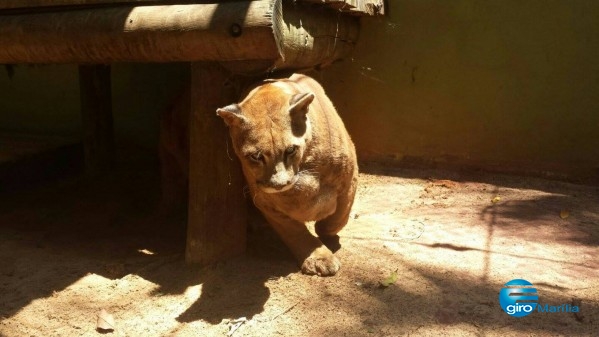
(518,298)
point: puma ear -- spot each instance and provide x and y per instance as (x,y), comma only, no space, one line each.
(231,114)
(300,102)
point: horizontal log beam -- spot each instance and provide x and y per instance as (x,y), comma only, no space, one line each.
(14,4)
(142,33)
(308,35)
(291,36)
(354,7)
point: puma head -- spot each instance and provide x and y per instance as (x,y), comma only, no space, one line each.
(270,130)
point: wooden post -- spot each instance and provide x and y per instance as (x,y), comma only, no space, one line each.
(96,112)
(217,209)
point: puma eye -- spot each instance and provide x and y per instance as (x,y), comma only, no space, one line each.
(257,156)
(291,150)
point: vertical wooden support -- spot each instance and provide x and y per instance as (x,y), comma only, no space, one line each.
(96,111)
(217,213)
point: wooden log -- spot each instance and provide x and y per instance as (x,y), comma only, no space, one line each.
(291,36)
(355,7)
(228,31)
(18,4)
(96,113)
(308,36)
(217,209)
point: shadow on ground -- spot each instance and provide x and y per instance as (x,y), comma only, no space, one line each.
(61,231)
(55,235)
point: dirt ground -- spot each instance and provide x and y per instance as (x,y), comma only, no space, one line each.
(70,248)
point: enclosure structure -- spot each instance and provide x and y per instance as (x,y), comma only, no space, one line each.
(220,40)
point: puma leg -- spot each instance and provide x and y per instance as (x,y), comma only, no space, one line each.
(331,225)
(313,257)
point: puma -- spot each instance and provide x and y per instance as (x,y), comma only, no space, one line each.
(299,162)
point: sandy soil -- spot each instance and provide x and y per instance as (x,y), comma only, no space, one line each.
(71,248)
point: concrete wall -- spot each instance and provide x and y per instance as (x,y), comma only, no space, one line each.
(39,99)
(45,100)
(506,83)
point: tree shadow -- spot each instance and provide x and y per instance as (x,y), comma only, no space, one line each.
(535,218)
(53,235)
(525,230)
(74,227)
(523,216)
(231,289)
(428,299)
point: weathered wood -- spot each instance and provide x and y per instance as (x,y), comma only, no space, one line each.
(142,33)
(291,36)
(96,112)
(13,4)
(217,208)
(354,7)
(307,36)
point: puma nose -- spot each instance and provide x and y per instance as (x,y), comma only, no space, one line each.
(276,185)
(281,186)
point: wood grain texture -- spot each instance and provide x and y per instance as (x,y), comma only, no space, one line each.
(354,7)
(13,4)
(308,36)
(217,215)
(142,34)
(282,34)
(96,116)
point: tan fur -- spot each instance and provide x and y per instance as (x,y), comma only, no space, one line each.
(315,180)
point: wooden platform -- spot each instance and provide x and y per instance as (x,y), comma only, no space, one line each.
(222,40)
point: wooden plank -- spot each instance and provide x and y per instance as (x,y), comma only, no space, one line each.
(217,209)
(354,7)
(96,112)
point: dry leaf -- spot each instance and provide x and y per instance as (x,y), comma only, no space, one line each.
(564,213)
(496,199)
(445,183)
(105,321)
(236,324)
(389,280)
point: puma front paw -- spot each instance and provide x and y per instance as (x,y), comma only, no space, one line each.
(321,262)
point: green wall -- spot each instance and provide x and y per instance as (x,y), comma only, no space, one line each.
(45,100)
(495,83)
(39,99)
